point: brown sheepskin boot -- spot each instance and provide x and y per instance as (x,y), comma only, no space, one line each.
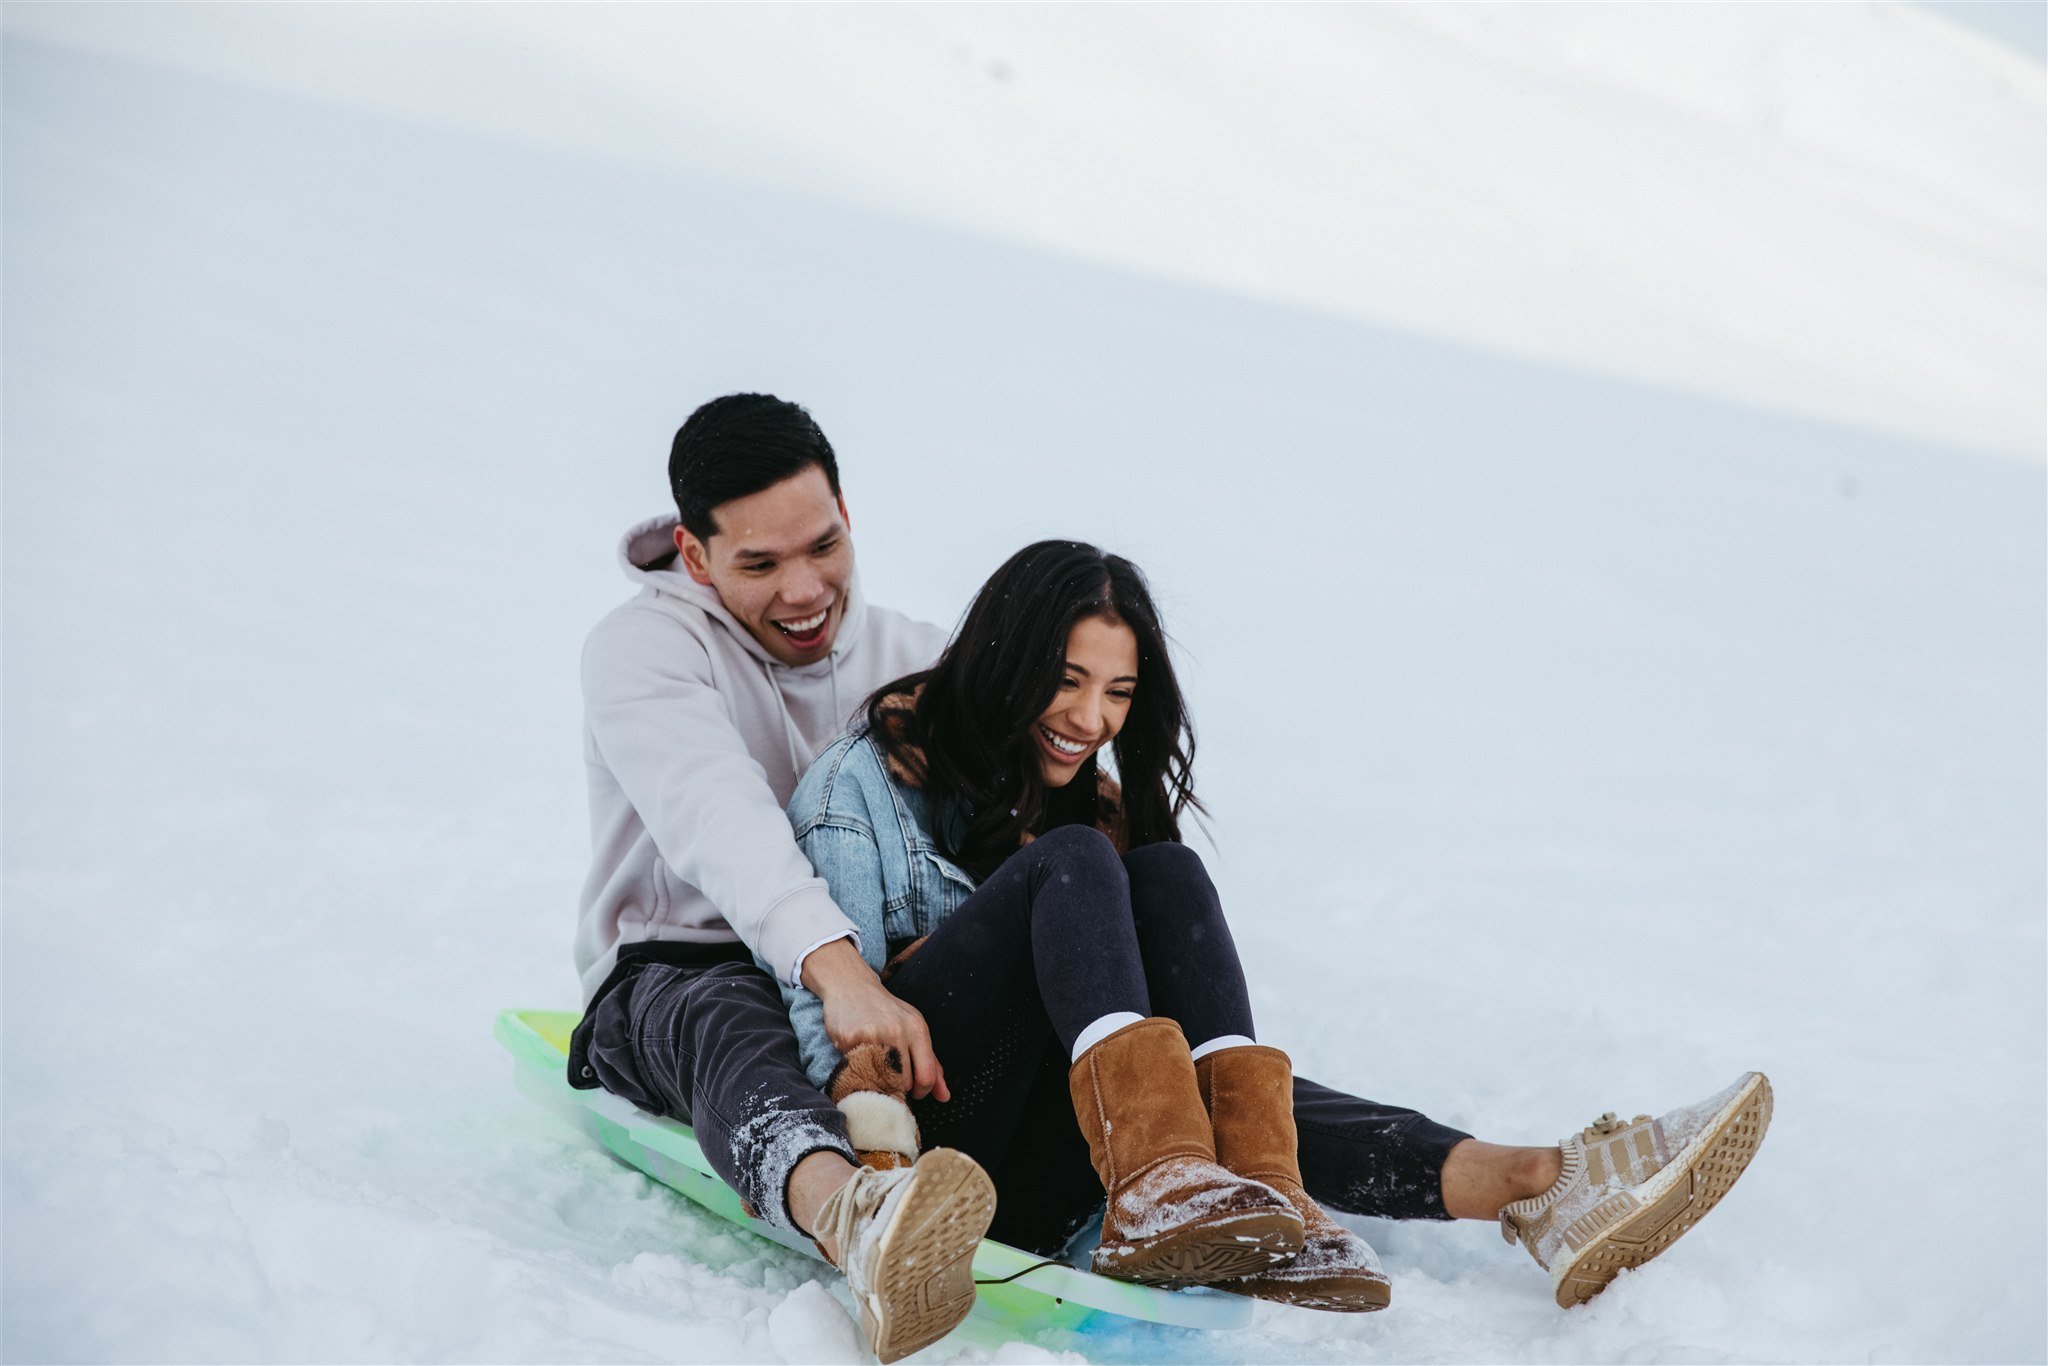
(1250,1095)
(1174,1216)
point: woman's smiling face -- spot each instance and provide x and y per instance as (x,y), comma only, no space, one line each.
(1093,700)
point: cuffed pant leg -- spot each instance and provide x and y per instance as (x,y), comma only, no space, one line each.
(713,1048)
(1366,1158)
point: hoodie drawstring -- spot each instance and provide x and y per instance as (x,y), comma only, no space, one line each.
(796,764)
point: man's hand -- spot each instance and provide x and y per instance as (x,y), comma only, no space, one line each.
(859,1009)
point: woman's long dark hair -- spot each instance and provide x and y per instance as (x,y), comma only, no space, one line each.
(982,700)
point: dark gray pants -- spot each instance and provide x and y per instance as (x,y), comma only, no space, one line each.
(697,1032)
(700,1034)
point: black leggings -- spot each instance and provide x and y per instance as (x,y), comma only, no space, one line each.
(1063,933)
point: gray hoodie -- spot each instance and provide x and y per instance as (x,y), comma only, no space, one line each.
(693,739)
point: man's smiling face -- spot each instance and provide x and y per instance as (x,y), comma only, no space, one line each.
(780,561)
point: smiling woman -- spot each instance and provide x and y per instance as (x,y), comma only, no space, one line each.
(1093,700)
(1044,673)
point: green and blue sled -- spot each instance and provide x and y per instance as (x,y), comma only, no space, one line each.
(1014,1285)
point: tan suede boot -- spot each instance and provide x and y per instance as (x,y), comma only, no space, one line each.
(1174,1216)
(1250,1095)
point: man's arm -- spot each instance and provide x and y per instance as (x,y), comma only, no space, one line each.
(670,743)
(852,1006)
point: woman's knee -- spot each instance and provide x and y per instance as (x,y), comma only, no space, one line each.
(1165,862)
(1171,892)
(1079,850)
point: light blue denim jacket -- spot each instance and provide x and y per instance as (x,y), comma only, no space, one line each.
(865,833)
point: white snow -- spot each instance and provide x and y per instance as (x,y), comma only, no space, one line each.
(1655,402)
(809,1325)
(1796,207)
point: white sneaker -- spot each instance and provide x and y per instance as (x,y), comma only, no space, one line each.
(1629,1190)
(906,1241)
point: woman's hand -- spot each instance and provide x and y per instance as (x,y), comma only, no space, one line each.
(859,1009)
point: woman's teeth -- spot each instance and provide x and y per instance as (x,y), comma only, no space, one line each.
(804,627)
(1062,744)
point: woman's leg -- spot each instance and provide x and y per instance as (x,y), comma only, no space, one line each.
(1047,1187)
(1013,984)
(1051,927)
(1041,950)
(1191,967)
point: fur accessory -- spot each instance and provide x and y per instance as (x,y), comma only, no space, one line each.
(871,1088)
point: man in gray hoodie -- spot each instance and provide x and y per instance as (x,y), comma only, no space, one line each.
(745,652)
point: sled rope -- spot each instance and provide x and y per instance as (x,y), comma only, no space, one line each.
(1005,1280)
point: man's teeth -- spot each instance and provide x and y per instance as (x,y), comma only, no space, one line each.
(804,627)
(1061,743)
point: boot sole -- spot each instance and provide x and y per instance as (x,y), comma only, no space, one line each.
(1332,1294)
(924,1279)
(1675,1199)
(1221,1249)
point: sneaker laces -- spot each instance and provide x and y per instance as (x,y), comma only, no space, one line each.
(863,1195)
(1608,1124)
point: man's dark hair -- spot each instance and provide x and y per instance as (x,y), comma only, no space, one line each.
(738,445)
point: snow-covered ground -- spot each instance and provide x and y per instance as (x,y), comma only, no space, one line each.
(1601,500)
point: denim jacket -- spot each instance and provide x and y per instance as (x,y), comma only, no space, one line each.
(867,835)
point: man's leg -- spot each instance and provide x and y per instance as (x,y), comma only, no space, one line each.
(814,1180)
(712,1046)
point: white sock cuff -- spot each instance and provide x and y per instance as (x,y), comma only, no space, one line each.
(1102,1029)
(1221,1042)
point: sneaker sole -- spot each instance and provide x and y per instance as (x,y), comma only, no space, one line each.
(1200,1254)
(1676,1198)
(924,1283)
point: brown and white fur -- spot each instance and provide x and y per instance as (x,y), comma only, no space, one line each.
(872,1089)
